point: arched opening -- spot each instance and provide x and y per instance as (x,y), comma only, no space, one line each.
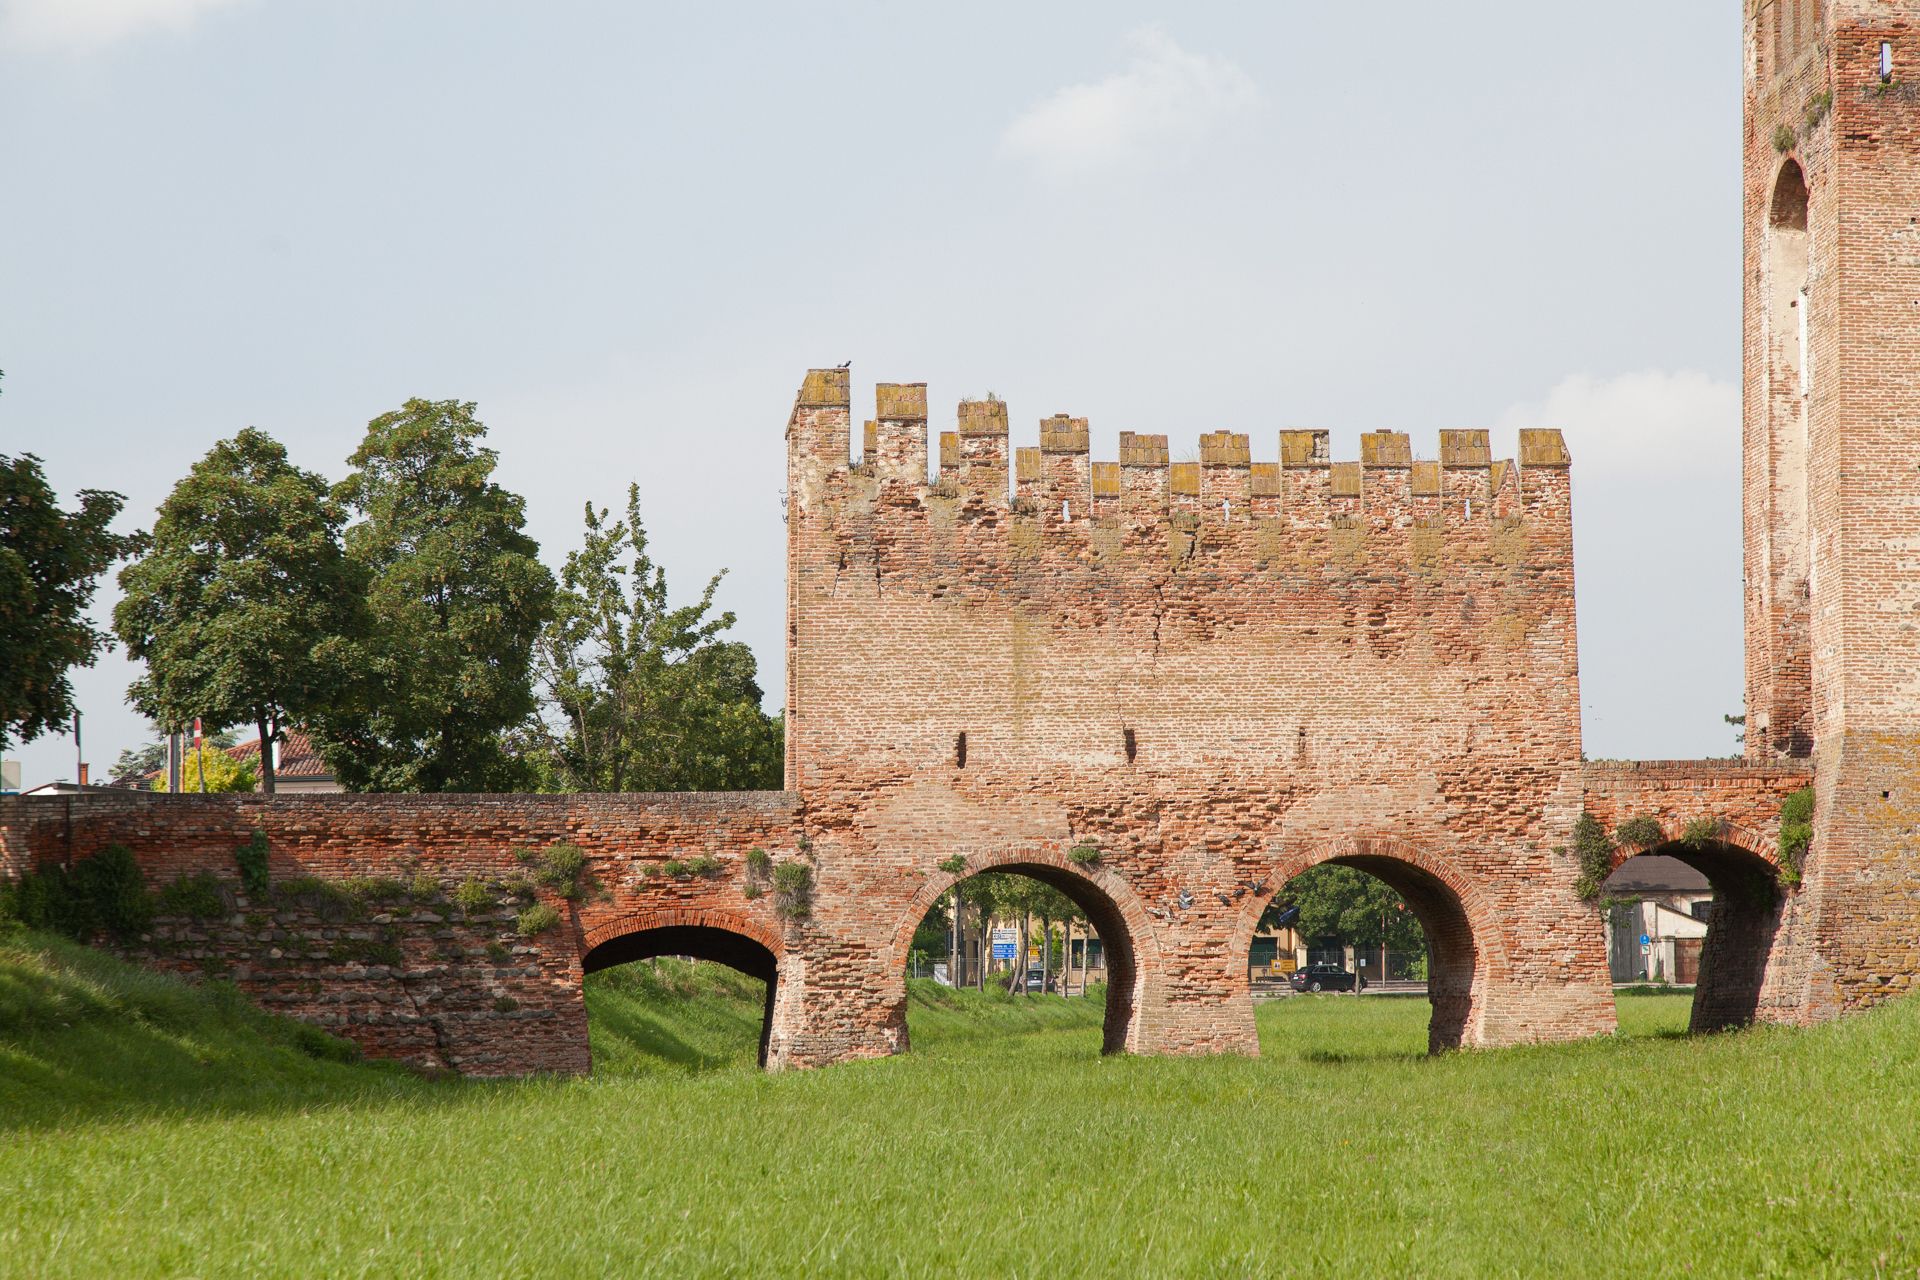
(1376,914)
(697,941)
(1695,914)
(1787,272)
(1032,928)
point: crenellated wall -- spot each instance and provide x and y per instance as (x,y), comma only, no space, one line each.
(1216,672)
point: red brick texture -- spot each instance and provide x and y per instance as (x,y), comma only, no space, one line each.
(1832,491)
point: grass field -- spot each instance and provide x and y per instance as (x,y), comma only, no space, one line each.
(151,1129)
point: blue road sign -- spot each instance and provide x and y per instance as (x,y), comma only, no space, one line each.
(1004,950)
(1644,939)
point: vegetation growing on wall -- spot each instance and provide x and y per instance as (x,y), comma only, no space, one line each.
(251,858)
(1796,833)
(101,894)
(1593,853)
(1643,831)
(793,889)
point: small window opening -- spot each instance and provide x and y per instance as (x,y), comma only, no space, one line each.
(960,749)
(1469,508)
(1133,747)
(1226,511)
(1886,62)
(1066,512)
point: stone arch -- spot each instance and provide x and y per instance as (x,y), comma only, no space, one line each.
(1743,866)
(1110,904)
(1466,947)
(1788,205)
(724,937)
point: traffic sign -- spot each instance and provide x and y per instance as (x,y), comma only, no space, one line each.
(1644,939)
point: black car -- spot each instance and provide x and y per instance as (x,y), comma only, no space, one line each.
(1324,976)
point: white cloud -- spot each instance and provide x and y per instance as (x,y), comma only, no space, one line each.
(1652,419)
(1164,97)
(1656,534)
(82,25)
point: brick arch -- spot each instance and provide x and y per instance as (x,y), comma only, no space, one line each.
(705,933)
(683,917)
(1110,904)
(1743,866)
(1735,835)
(1465,938)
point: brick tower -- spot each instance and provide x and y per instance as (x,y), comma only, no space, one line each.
(1831,448)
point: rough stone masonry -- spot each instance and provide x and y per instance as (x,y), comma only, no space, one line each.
(1166,688)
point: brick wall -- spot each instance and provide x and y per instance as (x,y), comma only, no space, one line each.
(1856,136)
(1217,673)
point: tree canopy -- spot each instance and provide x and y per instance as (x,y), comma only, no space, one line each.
(240,607)
(50,564)
(223,772)
(1344,903)
(457,596)
(644,695)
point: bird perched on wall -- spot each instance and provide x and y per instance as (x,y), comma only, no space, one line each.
(844,364)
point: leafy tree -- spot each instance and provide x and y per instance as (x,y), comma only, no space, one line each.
(223,772)
(644,696)
(242,604)
(1052,907)
(984,894)
(1341,902)
(136,763)
(50,563)
(457,596)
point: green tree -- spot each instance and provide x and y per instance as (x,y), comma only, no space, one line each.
(243,604)
(1344,903)
(644,696)
(50,563)
(223,772)
(457,596)
(135,763)
(1052,907)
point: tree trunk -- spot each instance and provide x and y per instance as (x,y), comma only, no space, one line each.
(980,978)
(1066,960)
(264,724)
(1018,985)
(953,942)
(1046,952)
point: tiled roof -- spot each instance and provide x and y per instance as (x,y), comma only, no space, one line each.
(298,758)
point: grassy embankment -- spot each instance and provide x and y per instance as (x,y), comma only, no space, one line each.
(148,1128)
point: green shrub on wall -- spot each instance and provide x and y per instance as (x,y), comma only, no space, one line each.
(252,860)
(793,889)
(1643,831)
(1593,852)
(1796,833)
(198,896)
(101,894)
(536,919)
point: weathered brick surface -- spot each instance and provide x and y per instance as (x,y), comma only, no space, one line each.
(1832,489)
(462,992)
(1216,673)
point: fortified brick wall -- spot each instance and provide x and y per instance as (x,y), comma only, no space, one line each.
(1214,673)
(359,932)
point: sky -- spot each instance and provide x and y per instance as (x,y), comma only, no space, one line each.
(626,230)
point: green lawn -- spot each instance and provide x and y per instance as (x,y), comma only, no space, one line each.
(149,1129)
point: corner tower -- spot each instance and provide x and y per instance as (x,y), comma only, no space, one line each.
(1831,458)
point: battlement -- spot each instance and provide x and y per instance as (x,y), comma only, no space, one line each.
(1059,481)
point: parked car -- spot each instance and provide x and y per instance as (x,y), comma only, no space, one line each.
(1324,976)
(1036,979)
